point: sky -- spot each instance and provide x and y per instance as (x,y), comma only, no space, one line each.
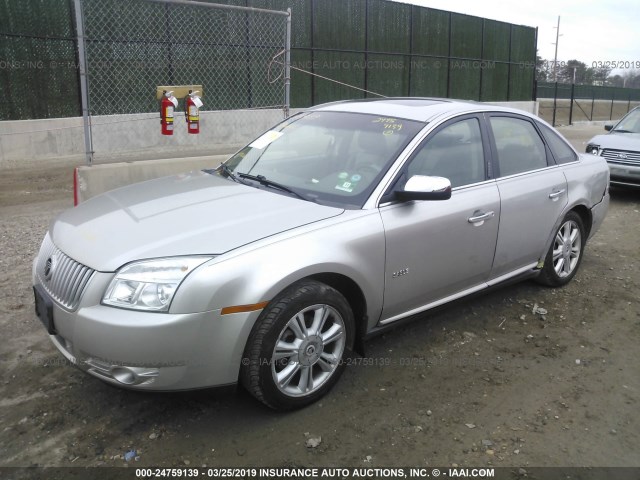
(591,30)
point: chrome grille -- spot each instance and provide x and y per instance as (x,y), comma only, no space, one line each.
(62,277)
(622,157)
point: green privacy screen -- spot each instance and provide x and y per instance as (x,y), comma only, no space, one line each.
(396,49)
(38,75)
(379,46)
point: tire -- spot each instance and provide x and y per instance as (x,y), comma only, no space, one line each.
(294,354)
(565,253)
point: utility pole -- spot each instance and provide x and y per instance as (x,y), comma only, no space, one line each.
(555,59)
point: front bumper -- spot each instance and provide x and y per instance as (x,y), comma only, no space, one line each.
(628,175)
(147,350)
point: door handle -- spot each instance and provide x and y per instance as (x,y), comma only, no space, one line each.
(479,217)
(556,194)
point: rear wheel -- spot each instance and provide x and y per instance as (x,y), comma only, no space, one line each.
(565,254)
(295,352)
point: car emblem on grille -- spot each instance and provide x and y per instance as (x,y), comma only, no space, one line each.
(49,266)
(622,155)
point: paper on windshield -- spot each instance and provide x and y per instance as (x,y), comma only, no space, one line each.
(266,139)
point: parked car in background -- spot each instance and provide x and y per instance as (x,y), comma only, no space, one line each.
(621,149)
(327,229)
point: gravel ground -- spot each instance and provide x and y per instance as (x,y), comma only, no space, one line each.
(486,381)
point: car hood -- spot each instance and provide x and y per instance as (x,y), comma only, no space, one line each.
(618,141)
(191,214)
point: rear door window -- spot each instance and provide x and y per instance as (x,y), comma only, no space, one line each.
(562,152)
(519,146)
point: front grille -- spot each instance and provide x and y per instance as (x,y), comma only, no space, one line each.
(62,277)
(622,157)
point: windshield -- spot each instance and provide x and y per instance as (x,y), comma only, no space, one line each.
(630,123)
(333,158)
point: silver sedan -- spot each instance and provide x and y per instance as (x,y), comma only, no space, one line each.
(327,229)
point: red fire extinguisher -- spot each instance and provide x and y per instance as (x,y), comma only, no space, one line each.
(167,107)
(192,104)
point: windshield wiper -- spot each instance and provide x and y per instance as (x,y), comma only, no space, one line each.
(262,180)
(622,130)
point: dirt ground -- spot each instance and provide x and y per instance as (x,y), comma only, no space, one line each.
(483,382)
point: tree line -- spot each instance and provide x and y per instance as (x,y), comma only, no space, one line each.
(575,71)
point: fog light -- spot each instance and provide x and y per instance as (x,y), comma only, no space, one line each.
(124,375)
(121,373)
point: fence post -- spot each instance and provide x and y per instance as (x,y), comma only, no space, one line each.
(410,50)
(287,67)
(313,53)
(613,97)
(534,94)
(573,85)
(555,103)
(629,103)
(593,101)
(366,48)
(84,95)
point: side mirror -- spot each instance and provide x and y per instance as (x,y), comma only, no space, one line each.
(420,187)
(608,126)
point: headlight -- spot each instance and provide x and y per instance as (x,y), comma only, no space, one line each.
(593,149)
(150,284)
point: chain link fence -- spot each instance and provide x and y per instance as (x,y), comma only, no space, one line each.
(564,103)
(237,55)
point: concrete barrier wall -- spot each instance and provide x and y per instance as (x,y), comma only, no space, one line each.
(129,137)
(97,179)
(219,130)
(24,141)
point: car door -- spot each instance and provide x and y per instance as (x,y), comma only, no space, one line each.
(533,193)
(436,249)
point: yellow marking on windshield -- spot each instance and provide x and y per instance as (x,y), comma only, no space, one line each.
(389,125)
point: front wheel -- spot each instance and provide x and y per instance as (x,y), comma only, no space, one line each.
(565,254)
(295,352)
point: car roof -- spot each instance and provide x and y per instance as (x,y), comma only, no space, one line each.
(413,108)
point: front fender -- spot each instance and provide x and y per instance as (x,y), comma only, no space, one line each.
(351,245)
